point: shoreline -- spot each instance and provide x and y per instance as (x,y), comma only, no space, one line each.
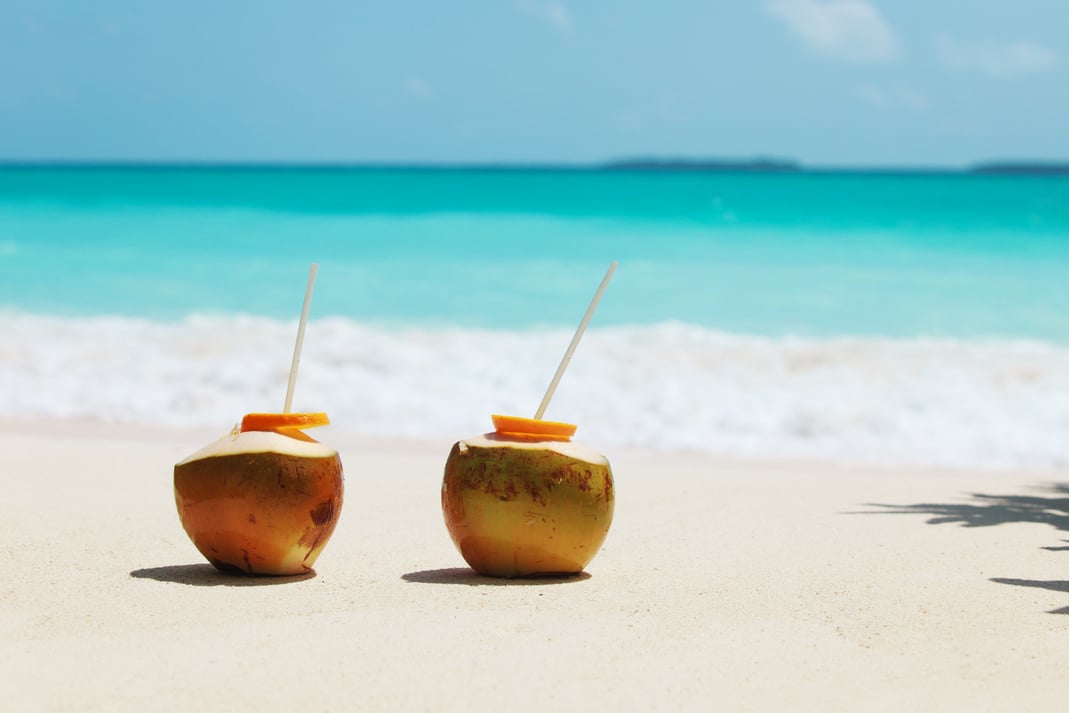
(356,443)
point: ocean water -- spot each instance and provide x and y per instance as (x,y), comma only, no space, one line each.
(895,319)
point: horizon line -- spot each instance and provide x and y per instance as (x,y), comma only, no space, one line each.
(623,165)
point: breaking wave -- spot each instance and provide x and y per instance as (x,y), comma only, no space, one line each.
(671,386)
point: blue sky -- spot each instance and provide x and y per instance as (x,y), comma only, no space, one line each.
(827,82)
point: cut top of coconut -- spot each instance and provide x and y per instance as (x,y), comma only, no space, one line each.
(239,442)
(570,449)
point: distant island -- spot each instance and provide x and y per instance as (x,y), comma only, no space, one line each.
(773,165)
(1019,168)
(758,165)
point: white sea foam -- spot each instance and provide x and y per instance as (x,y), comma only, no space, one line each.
(669,386)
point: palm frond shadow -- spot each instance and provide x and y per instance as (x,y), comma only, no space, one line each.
(1052,585)
(991,510)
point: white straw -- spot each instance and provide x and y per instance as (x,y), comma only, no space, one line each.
(575,341)
(300,337)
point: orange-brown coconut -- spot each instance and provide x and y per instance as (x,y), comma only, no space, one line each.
(260,502)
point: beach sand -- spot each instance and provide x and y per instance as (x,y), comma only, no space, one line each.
(723,585)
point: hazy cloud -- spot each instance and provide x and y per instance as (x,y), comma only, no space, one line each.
(997,60)
(849,30)
(418,88)
(559,17)
(556,14)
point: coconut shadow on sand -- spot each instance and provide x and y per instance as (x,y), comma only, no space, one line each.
(205,575)
(985,510)
(471,578)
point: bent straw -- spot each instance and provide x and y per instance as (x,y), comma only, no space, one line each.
(575,341)
(300,337)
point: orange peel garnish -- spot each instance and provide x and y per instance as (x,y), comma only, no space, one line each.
(286,423)
(519,426)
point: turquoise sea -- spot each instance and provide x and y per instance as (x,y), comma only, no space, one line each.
(772,254)
(842,315)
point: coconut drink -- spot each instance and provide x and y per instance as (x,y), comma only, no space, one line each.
(265,498)
(526,504)
(526,500)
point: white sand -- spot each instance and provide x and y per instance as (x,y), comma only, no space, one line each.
(722,585)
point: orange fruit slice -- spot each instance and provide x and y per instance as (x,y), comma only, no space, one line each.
(517,425)
(282,422)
